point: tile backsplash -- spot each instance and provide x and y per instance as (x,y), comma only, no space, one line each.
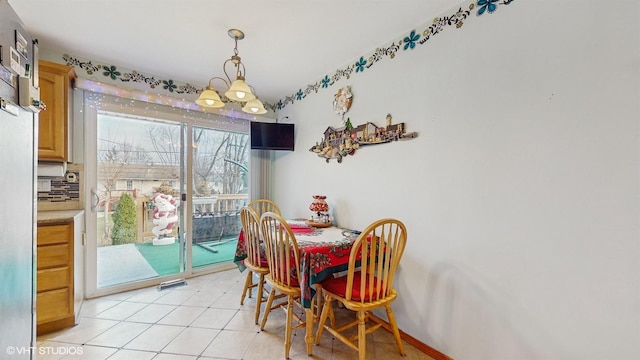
(65,192)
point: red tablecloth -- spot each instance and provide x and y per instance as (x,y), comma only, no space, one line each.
(323,252)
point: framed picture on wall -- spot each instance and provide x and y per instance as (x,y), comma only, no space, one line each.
(22,46)
(15,61)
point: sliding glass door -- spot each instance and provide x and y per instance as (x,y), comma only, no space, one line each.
(140,166)
(220,189)
(166,189)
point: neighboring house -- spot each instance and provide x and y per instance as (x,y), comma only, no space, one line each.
(144,179)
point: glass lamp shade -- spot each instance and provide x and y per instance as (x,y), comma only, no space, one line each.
(239,91)
(209,98)
(319,204)
(254,106)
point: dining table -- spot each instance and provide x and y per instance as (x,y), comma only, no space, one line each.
(324,251)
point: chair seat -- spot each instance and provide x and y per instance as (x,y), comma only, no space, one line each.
(262,268)
(338,286)
(264,264)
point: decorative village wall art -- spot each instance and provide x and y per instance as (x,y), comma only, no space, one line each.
(344,141)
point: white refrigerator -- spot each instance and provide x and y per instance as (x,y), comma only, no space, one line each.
(18,134)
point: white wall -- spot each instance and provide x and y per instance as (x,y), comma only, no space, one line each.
(521,193)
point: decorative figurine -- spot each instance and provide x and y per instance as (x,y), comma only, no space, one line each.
(321,208)
(164,217)
(342,101)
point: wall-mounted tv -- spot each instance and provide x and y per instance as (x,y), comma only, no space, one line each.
(272,136)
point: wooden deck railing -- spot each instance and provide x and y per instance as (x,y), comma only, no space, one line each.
(219,204)
(214,216)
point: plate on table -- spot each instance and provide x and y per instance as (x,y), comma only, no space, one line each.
(351,233)
(318,225)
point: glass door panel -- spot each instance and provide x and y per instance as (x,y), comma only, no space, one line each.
(220,188)
(140,167)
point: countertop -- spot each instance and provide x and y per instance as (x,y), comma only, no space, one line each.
(58,216)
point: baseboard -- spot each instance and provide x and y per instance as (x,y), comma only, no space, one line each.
(51,326)
(433,353)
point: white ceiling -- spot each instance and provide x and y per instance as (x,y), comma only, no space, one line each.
(288,43)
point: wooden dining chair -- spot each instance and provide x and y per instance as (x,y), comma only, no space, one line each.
(367,285)
(261,206)
(255,262)
(283,258)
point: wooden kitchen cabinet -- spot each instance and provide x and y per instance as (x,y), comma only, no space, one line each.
(55,81)
(55,277)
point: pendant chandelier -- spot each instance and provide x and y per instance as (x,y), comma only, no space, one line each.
(237,90)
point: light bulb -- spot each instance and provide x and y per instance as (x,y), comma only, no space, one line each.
(209,102)
(254,109)
(240,94)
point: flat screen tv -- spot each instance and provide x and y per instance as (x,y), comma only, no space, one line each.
(271,136)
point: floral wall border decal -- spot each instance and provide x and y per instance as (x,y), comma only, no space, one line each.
(112,72)
(407,43)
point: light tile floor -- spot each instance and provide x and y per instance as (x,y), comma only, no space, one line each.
(201,320)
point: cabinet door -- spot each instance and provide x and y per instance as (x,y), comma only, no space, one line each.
(55,278)
(55,281)
(53,134)
(54,256)
(54,305)
(55,234)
